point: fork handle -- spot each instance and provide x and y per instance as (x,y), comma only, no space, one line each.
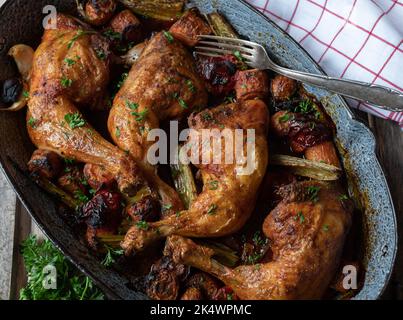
(385,98)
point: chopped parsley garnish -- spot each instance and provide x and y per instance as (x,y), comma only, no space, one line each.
(25,94)
(80,196)
(241,59)
(143,225)
(207,116)
(132,105)
(258,240)
(68,161)
(239,56)
(213,185)
(112,35)
(305,107)
(284,118)
(230,296)
(66,82)
(117,132)
(111,255)
(313,193)
(74,120)
(69,62)
(182,103)
(212,210)
(167,207)
(300,216)
(343,197)
(32,122)
(325,228)
(100,54)
(79,34)
(254,258)
(178,214)
(169,36)
(191,86)
(140,116)
(71,283)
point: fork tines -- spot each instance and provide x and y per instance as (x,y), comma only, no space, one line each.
(213,46)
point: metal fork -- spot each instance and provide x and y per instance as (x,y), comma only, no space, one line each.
(256,56)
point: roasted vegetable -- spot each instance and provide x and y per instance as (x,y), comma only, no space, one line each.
(219,73)
(324,152)
(16,91)
(302,130)
(184,183)
(307,168)
(71,283)
(283,88)
(189,27)
(112,241)
(97,177)
(163,281)
(103,215)
(12,90)
(23,56)
(96,12)
(220,26)
(73,182)
(223,253)
(164,10)
(252,84)
(45,163)
(54,190)
(128,26)
(146,209)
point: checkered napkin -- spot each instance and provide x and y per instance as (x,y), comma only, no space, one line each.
(355,39)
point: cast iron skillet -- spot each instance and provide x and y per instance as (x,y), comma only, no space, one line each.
(21,22)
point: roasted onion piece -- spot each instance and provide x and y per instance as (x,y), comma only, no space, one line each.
(164,10)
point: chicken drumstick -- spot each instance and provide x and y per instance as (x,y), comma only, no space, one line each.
(307,229)
(228,196)
(68,70)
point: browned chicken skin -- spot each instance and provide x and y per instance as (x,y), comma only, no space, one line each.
(228,198)
(163,84)
(307,230)
(67,72)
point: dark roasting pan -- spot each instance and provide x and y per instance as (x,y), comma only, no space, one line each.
(21,22)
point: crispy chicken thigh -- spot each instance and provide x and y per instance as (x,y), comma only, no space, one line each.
(307,229)
(67,72)
(163,84)
(228,196)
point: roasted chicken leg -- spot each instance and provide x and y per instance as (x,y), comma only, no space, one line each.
(163,84)
(307,229)
(228,197)
(68,71)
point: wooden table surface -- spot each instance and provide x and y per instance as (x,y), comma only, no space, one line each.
(16,225)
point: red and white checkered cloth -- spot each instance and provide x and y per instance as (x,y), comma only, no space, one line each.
(355,39)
